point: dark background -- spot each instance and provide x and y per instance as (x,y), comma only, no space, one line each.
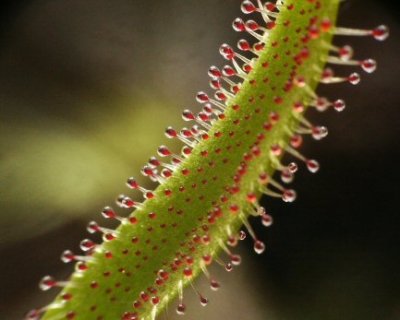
(71,71)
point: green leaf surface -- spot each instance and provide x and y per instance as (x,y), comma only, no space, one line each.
(209,196)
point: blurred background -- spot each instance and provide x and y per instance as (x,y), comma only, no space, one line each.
(86,90)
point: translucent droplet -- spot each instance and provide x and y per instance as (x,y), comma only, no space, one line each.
(214,285)
(202,116)
(219,95)
(369,65)
(346,53)
(319,132)
(154,162)
(354,78)
(287,176)
(242,235)
(244,45)
(207,108)
(270,6)
(148,171)
(312,165)
(181,309)
(202,97)
(289,195)
(322,104)
(228,71)
(170,133)
(267,220)
(125,202)
(87,245)
(186,133)
(47,283)
(188,115)
(238,25)
(259,247)
(339,105)
(228,267)
(381,33)
(215,84)
(163,151)
(236,259)
(248,7)
(232,241)
(203,301)
(92,227)
(252,25)
(214,72)
(108,213)
(293,167)
(67,256)
(227,52)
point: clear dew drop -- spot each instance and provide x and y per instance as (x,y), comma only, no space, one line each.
(238,25)
(289,196)
(181,309)
(244,45)
(339,105)
(369,65)
(163,151)
(132,183)
(322,104)
(293,167)
(215,84)
(248,7)
(47,283)
(214,285)
(354,78)
(242,235)
(67,256)
(319,132)
(236,259)
(170,133)
(187,115)
(252,25)
(87,245)
(202,97)
(312,166)
(229,267)
(267,220)
(108,213)
(259,247)
(232,241)
(287,176)
(227,52)
(381,33)
(228,71)
(214,72)
(346,53)
(203,301)
(92,227)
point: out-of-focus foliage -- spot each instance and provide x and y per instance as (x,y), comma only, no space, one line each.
(60,168)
